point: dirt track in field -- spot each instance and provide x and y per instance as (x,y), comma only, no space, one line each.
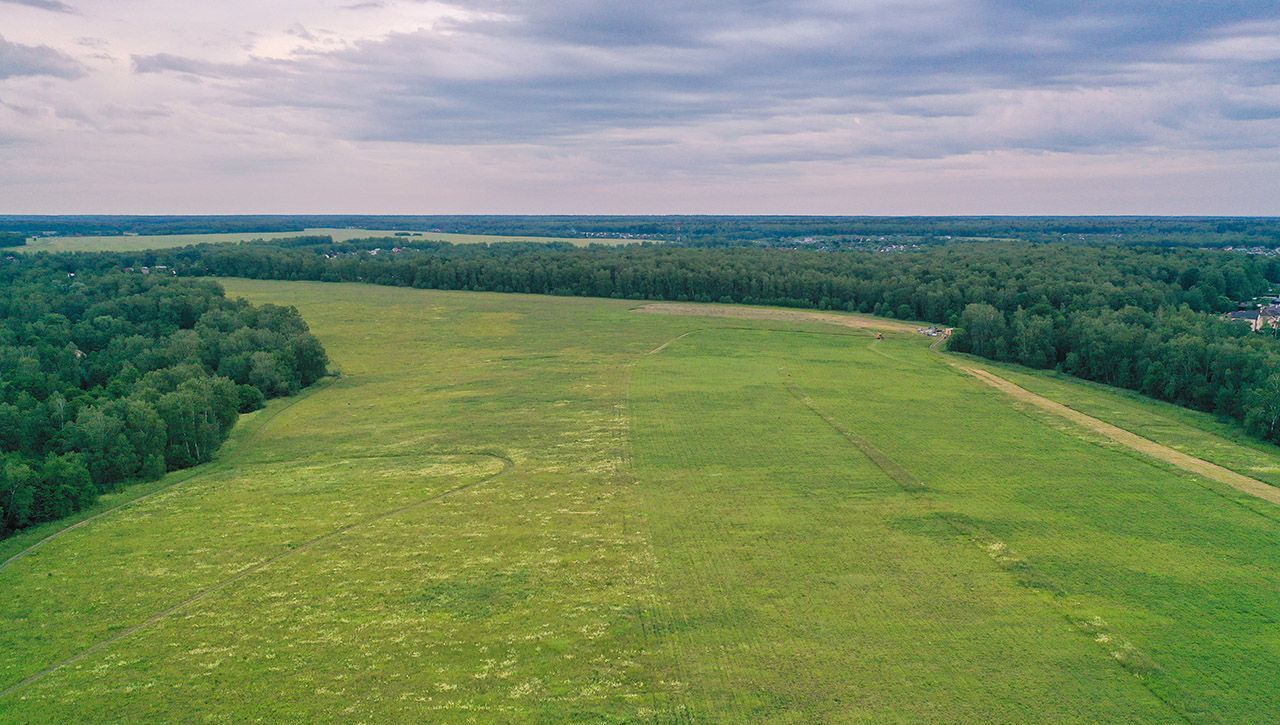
(765,313)
(890,467)
(1198,466)
(1211,471)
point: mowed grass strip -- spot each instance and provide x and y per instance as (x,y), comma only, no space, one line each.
(1136,443)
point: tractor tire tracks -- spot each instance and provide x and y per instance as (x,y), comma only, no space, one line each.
(890,467)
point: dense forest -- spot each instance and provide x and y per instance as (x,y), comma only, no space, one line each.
(710,230)
(112,377)
(1142,318)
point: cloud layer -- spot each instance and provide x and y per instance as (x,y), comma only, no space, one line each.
(571,105)
(17,60)
(56,6)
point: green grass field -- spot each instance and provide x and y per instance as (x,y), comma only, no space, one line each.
(120,243)
(521,508)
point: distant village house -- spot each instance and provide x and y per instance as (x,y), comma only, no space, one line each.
(1263,318)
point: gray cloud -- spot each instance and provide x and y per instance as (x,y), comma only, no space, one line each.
(54,5)
(169,63)
(36,60)
(719,90)
(931,77)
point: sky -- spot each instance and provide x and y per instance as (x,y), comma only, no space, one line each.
(580,107)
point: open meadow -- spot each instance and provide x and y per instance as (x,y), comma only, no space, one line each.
(521,508)
(139,242)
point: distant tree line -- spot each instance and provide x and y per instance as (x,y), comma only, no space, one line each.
(110,377)
(1135,317)
(1174,354)
(12,239)
(705,230)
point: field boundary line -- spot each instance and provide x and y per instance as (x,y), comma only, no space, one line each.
(975,535)
(1129,439)
(190,473)
(507,465)
(1025,574)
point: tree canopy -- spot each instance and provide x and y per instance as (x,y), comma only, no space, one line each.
(1140,317)
(113,377)
(1144,318)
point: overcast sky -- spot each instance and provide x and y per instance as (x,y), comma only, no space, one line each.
(653,106)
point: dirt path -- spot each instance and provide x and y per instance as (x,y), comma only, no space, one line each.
(664,345)
(1201,467)
(766,313)
(1198,466)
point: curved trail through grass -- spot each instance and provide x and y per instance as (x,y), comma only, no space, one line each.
(668,343)
(682,538)
(184,477)
(507,465)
